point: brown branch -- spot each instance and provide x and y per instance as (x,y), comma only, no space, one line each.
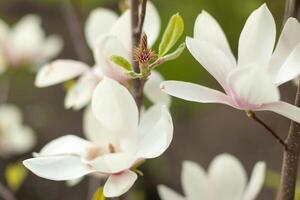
(5,193)
(142,17)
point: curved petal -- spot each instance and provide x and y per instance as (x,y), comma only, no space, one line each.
(257,38)
(288,40)
(252,86)
(118,184)
(52,47)
(153,91)
(22,139)
(59,71)
(166,193)
(155,132)
(114,107)
(206,54)
(10,115)
(57,168)
(256,181)
(224,168)
(194,92)
(195,182)
(208,29)
(285,109)
(99,22)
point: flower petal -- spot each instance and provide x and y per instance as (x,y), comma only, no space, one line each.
(4,31)
(252,86)
(114,107)
(155,132)
(228,176)
(194,92)
(99,22)
(52,47)
(118,184)
(195,182)
(257,38)
(57,168)
(153,91)
(59,71)
(256,181)
(22,139)
(285,109)
(166,193)
(10,114)
(206,54)
(208,29)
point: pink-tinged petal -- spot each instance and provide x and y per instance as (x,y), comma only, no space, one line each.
(118,184)
(251,86)
(166,193)
(155,132)
(206,53)
(285,109)
(195,182)
(65,145)
(256,181)
(99,22)
(208,29)
(257,38)
(57,168)
(228,176)
(59,71)
(288,40)
(290,69)
(194,92)
(114,107)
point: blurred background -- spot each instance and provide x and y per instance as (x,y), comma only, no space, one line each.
(201,131)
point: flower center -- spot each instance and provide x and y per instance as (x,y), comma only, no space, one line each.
(96,151)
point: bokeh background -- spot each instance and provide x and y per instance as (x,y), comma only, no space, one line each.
(201,131)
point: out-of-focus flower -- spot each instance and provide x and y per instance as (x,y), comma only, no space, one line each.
(26,43)
(107,35)
(15,138)
(225,179)
(117,141)
(252,82)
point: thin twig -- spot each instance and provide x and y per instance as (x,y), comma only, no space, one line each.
(142,16)
(5,193)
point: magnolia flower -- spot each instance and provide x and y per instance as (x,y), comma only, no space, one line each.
(226,179)
(252,82)
(107,35)
(15,138)
(26,43)
(117,141)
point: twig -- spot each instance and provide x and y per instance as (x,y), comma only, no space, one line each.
(142,16)
(5,193)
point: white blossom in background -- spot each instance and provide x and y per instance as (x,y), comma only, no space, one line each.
(225,179)
(25,43)
(117,141)
(107,34)
(251,83)
(15,138)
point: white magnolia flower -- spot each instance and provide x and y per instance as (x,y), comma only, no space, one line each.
(117,141)
(15,138)
(26,43)
(225,179)
(107,35)
(252,82)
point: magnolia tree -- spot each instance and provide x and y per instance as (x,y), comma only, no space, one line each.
(121,130)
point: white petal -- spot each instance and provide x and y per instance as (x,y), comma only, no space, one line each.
(22,139)
(166,193)
(52,47)
(208,29)
(81,93)
(194,92)
(257,38)
(59,71)
(4,31)
(155,132)
(74,182)
(69,144)
(229,177)
(206,54)
(256,181)
(57,168)
(195,182)
(99,22)
(153,91)
(289,111)
(118,184)
(252,86)
(10,114)
(114,107)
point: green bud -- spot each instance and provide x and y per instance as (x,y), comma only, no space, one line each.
(122,62)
